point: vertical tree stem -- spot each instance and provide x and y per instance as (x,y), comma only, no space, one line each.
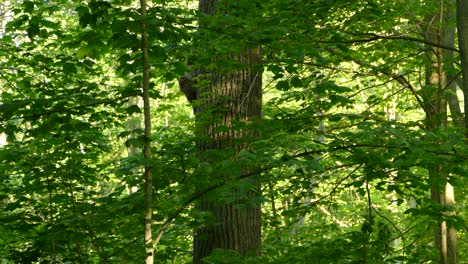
(462,27)
(147,148)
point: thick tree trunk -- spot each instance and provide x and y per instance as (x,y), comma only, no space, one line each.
(231,97)
(228,96)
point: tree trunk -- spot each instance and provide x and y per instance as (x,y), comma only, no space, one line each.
(449,66)
(225,97)
(149,258)
(133,123)
(457,118)
(435,103)
(230,97)
(462,27)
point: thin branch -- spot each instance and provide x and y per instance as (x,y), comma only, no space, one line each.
(315,152)
(400,78)
(373,209)
(12,85)
(374,37)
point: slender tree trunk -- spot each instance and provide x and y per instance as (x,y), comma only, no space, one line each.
(462,27)
(457,118)
(435,103)
(147,147)
(452,238)
(133,123)
(228,96)
(449,65)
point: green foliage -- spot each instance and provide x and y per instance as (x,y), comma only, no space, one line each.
(341,151)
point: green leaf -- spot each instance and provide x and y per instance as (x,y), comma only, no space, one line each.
(33,30)
(69,68)
(136,142)
(84,52)
(28,6)
(282,85)
(296,81)
(124,134)
(180,68)
(340,100)
(133,109)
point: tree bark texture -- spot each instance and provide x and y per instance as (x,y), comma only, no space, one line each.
(226,97)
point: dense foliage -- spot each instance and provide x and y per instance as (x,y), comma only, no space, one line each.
(344,156)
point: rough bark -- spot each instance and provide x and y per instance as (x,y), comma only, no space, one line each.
(228,96)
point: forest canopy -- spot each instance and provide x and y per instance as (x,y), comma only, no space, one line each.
(233,131)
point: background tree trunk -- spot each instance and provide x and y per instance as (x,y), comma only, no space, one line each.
(435,103)
(449,65)
(462,26)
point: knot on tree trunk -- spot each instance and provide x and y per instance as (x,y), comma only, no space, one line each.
(187,86)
